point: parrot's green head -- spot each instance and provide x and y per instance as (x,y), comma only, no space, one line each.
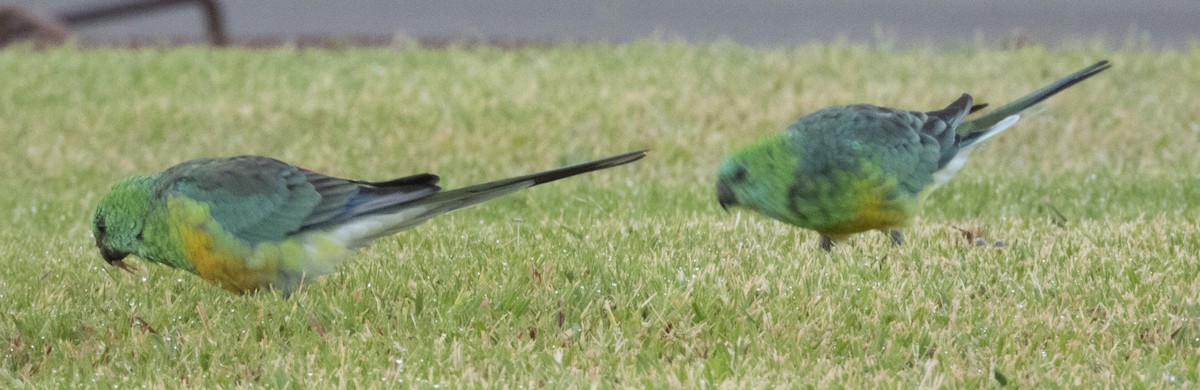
(120,218)
(757,177)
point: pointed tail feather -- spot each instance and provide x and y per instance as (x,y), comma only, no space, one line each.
(361,231)
(462,197)
(988,120)
(954,114)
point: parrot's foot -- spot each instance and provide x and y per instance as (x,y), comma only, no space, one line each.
(826,243)
(897,236)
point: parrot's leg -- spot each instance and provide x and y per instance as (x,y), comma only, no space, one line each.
(826,243)
(896,235)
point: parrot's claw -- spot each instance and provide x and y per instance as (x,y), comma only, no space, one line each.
(826,243)
(897,236)
(121,264)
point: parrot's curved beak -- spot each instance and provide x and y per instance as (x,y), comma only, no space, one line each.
(725,196)
(115,258)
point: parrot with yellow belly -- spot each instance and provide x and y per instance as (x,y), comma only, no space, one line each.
(250,222)
(847,169)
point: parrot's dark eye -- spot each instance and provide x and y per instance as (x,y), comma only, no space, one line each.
(100,227)
(739,174)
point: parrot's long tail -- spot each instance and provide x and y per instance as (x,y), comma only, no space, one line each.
(977,130)
(980,125)
(447,201)
(363,230)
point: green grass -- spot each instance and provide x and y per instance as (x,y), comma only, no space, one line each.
(630,277)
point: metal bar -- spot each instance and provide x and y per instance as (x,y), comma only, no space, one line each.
(214,21)
(112,11)
(16,22)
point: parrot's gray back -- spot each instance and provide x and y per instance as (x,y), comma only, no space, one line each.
(908,145)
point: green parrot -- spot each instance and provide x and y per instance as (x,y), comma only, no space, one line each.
(849,169)
(250,222)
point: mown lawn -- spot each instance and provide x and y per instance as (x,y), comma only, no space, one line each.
(629,277)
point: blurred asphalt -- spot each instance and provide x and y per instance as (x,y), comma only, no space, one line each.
(1160,23)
